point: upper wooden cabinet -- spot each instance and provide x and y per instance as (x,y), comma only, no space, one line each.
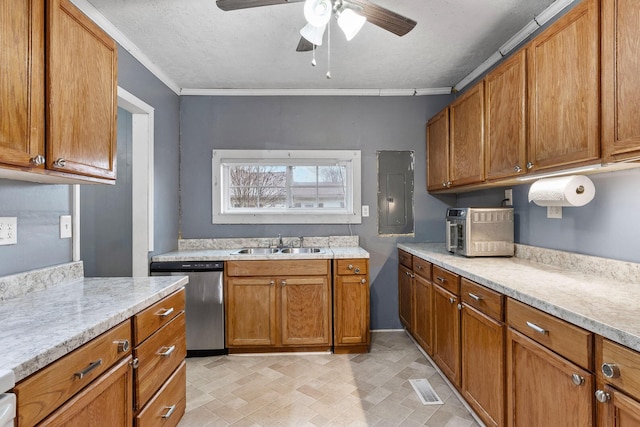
(620,82)
(438,151)
(81,93)
(60,66)
(466,138)
(505,119)
(563,78)
(22,82)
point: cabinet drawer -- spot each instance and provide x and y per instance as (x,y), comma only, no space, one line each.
(305,267)
(448,280)
(483,299)
(624,364)
(50,387)
(157,357)
(569,341)
(405,259)
(422,267)
(159,314)
(352,266)
(168,405)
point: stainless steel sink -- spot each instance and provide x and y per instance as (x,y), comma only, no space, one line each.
(256,251)
(301,251)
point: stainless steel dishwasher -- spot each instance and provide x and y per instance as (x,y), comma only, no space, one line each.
(204,303)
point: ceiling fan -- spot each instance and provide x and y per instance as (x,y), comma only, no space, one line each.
(351,16)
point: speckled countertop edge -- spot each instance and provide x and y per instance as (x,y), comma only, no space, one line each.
(44,325)
(228,255)
(599,304)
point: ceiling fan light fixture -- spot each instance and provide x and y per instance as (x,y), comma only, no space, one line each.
(318,12)
(350,23)
(313,34)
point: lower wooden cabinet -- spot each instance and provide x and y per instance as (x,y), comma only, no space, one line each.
(351,332)
(545,389)
(271,305)
(169,404)
(446,333)
(405,295)
(108,400)
(423,313)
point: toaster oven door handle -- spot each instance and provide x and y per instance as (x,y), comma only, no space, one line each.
(451,236)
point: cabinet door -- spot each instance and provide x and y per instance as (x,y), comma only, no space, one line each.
(621,410)
(620,83)
(22,82)
(564,102)
(106,400)
(446,330)
(81,93)
(423,313)
(405,291)
(541,389)
(483,365)
(351,310)
(505,119)
(250,311)
(438,151)
(466,144)
(306,310)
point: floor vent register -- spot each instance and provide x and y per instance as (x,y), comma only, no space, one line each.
(425,392)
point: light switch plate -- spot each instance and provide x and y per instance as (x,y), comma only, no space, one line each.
(65,226)
(8,230)
(508,197)
(365,210)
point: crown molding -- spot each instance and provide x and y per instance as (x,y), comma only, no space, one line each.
(316,92)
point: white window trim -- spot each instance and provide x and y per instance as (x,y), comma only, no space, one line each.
(352,216)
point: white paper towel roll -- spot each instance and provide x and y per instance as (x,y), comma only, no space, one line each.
(573,190)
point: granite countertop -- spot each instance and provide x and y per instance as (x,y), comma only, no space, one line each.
(228,255)
(44,325)
(605,301)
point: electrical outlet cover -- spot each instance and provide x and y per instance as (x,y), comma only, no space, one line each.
(8,230)
(554,212)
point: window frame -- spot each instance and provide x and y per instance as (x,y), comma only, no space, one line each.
(223,159)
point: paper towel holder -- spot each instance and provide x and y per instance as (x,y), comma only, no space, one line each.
(556,192)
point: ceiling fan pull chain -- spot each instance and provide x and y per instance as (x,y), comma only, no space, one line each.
(329,50)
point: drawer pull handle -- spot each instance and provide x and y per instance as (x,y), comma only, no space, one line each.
(166,312)
(363,281)
(610,370)
(475,297)
(357,270)
(537,328)
(602,396)
(169,412)
(441,279)
(93,365)
(167,352)
(577,379)
(350,267)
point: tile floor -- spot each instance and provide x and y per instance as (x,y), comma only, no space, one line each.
(320,390)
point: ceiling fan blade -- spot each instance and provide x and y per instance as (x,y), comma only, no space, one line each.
(245,4)
(304,45)
(383,18)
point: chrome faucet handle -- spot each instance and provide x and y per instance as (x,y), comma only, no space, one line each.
(301,241)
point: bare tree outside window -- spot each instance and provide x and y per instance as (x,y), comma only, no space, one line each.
(258,186)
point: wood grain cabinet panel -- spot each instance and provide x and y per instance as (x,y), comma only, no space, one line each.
(167,407)
(438,151)
(305,303)
(251,311)
(563,89)
(22,82)
(620,82)
(405,292)
(351,312)
(540,387)
(446,333)
(81,90)
(466,140)
(423,313)
(505,119)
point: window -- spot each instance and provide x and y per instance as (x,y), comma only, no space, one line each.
(286,187)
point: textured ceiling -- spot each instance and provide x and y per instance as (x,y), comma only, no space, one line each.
(202,47)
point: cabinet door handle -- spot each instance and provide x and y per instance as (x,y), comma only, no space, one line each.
(93,365)
(610,370)
(517,169)
(602,396)
(167,352)
(529,165)
(60,163)
(537,328)
(38,160)
(577,379)
(165,312)
(283,283)
(363,281)
(475,297)
(273,282)
(169,412)
(452,300)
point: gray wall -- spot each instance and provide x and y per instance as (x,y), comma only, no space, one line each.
(38,208)
(605,227)
(365,123)
(137,80)
(105,212)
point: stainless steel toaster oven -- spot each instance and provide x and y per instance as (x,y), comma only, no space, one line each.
(480,231)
